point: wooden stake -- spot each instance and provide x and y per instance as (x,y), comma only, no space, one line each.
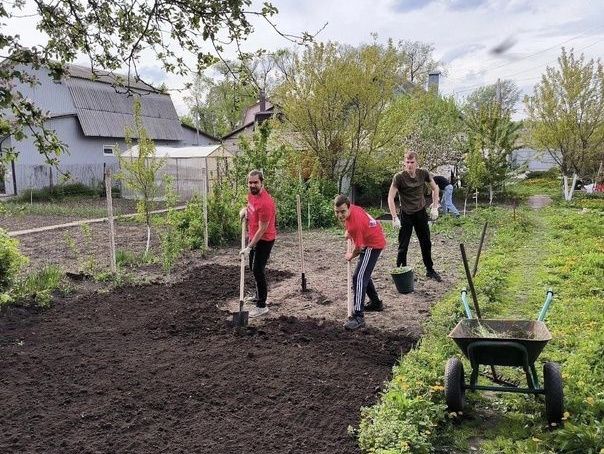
(205,210)
(110,219)
(299,212)
(349,281)
(308,219)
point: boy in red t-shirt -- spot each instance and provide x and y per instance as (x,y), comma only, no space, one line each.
(369,241)
(261,216)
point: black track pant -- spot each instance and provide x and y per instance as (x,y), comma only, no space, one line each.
(419,222)
(259,256)
(361,279)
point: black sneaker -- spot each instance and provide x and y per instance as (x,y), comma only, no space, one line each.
(374,306)
(355,322)
(431,274)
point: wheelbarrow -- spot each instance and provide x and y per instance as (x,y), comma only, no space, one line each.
(509,343)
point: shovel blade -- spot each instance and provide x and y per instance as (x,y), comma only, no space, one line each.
(240,318)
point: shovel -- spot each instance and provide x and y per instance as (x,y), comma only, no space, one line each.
(299,210)
(241,318)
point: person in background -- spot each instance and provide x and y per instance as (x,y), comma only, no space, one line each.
(409,184)
(369,241)
(261,214)
(446,187)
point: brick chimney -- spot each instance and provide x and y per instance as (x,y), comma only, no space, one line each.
(262,100)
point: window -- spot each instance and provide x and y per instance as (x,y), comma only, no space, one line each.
(108,150)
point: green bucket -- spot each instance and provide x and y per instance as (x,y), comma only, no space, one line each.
(403,279)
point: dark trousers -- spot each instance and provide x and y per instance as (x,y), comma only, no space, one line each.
(419,222)
(259,256)
(361,279)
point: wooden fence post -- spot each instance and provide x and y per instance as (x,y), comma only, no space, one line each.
(110,218)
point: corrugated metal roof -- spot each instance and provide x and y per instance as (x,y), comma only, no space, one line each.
(178,152)
(105,111)
(106,77)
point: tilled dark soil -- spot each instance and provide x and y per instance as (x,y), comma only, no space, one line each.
(156,368)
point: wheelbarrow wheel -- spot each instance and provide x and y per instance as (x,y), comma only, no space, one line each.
(554,394)
(454,385)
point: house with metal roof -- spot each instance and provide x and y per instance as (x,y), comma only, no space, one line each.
(252,116)
(90,114)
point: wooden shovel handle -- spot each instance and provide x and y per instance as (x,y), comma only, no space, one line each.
(241,280)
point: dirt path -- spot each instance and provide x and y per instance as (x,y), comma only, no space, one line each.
(539,201)
(526,289)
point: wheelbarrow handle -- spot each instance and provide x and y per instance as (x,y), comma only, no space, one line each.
(466,305)
(548,301)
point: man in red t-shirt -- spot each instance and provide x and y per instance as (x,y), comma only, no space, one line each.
(261,215)
(369,241)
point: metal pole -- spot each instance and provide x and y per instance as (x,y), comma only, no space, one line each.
(12,162)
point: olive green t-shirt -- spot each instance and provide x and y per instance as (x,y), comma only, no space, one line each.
(411,190)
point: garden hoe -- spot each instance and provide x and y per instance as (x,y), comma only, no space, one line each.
(240,318)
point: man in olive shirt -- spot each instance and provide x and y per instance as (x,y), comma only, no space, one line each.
(410,185)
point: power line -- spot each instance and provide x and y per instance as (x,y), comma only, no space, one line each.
(510,76)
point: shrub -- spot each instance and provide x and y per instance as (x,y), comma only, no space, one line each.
(191,224)
(223,214)
(11,261)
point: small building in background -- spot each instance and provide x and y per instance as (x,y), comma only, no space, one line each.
(253,115)
(194,170)
(90,115)
(533,160)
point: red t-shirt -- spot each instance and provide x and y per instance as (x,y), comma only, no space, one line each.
(364,230)
(261,207)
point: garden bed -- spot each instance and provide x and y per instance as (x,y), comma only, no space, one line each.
(157,369)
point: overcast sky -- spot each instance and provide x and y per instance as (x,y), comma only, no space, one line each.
(463,33)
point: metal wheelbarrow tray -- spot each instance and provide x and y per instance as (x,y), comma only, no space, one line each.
(513,343)
(501,342)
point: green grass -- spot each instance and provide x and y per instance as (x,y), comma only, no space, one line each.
(559,247)
(544,183)
(37,287)
(59,192)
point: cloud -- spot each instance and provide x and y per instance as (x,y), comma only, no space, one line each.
(403,6)
(152,74)
(460,5)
